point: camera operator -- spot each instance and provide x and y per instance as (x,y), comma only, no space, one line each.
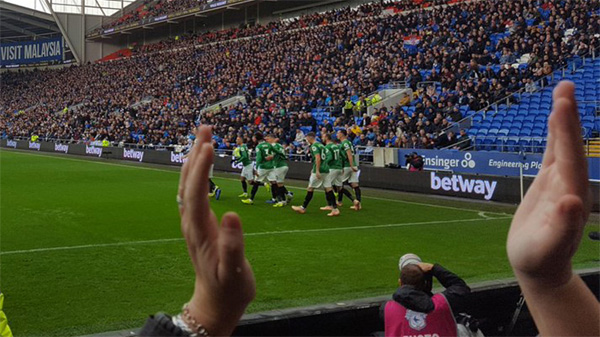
(414,162)
(415,310)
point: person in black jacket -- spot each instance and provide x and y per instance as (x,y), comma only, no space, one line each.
(415,309)
(456,289)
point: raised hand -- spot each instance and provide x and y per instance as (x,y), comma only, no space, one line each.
(548,225)
(547,228)
(225,282)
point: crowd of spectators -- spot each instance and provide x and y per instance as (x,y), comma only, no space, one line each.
(152,9)
(470,50)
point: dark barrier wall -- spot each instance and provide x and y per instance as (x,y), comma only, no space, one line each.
(480,187)
(493,306)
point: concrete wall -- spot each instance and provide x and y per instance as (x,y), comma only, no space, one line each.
(76,26)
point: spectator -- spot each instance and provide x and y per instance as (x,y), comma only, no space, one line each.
(414,310)
(463,142)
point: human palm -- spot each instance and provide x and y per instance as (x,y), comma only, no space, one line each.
(225,282)
(548,225)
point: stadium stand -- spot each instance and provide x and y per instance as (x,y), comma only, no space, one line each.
(459,59)
(151,9)
(523,126)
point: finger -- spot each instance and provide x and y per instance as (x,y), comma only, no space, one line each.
(231,247)
(197,208)
(181,188)
(568,145)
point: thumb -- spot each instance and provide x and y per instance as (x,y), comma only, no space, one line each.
(568,223)
(231,247)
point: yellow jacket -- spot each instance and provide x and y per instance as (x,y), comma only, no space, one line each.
(4,328)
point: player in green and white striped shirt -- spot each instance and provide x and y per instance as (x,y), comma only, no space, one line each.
(242,156)
(280,169)
(351,171)
(319,176)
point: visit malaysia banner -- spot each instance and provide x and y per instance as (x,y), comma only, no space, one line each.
(31,51)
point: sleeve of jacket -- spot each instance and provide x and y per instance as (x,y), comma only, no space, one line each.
(456,288)
(161,325)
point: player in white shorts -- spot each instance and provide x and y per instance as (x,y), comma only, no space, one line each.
(242,156)
(264,167)
(335,167)
(280,168)
(351,171)
(319,176)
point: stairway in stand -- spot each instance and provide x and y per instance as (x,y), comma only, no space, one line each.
(592,149)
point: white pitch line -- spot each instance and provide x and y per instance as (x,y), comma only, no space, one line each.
(232,179)
(296,231)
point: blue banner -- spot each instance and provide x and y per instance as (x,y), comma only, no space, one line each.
(490,163)
(31,51)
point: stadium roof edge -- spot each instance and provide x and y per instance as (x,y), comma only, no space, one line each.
(19,23)
(26,11)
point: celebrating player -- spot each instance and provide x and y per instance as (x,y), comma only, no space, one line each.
(351,170)
(319,176)
(264,166)
(242,155)
(335,167)
(280,169)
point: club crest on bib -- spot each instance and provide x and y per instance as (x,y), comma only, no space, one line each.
(416,320)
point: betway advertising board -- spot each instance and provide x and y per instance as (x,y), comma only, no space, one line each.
(487,163)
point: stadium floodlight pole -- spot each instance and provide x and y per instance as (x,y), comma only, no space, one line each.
(62,31)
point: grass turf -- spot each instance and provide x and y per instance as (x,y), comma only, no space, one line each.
(117,278)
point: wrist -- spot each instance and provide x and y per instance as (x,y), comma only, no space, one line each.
(217,318)
(545,282)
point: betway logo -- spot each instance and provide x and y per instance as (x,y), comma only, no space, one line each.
(35,146)
(178,158)
(133,154)
(11,143)
(61,148)
(457,183)
(95,151)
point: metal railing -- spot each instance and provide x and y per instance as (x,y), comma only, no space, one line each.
(509,144)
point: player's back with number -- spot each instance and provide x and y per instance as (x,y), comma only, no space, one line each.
(320,149)
(264,150)
(335,161)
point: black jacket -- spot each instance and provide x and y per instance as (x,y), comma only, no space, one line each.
(420,301)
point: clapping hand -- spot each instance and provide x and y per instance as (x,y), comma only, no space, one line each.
(548,225)
(225,282)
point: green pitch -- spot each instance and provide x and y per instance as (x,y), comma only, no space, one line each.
(91,246)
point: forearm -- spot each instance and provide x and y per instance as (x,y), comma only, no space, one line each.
(570,309)
(350,158)
(318,164)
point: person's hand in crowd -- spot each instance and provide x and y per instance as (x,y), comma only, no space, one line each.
(225,282)
(548,225)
